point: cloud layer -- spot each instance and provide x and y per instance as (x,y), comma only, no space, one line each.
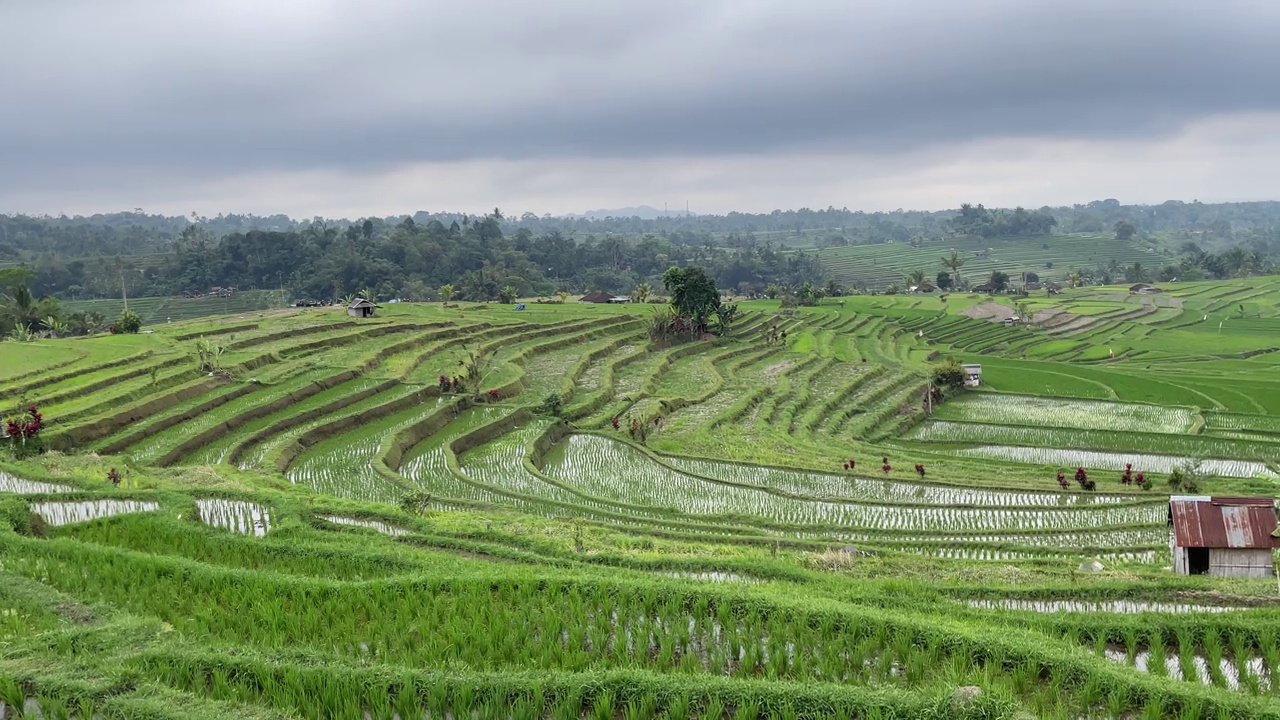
(166,99)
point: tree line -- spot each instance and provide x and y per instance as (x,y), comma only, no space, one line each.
(408,255)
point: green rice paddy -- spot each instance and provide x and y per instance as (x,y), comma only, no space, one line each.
(325,533)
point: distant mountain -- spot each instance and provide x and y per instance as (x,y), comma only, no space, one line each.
(644,212)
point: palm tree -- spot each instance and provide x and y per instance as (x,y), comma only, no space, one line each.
(954,263)
(366,292)
(915,278)
(1135,273)
(641,292)
(446,292)
(1075,279)
(21,308)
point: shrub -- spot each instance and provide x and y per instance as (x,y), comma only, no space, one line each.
(949,375)
(129,323)
(24,432)
(552,405)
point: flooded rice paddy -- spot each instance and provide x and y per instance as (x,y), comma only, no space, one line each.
(237,516)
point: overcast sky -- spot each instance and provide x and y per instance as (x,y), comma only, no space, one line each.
(377,107)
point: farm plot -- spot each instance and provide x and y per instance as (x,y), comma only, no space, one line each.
(153,447)
(1056,412)
(377,525)
(1237,421)
(217,451)
(238,516)
(500,466)
(1065,438)
(12,484)
(257,452)
(343,466)
(1115,460)
(826,486)
(427,463)
(66,513)
(607,469)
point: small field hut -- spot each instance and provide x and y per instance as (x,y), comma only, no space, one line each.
(972,375)
(1223,536)
(361,308)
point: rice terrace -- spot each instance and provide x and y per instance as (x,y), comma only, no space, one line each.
(472,510)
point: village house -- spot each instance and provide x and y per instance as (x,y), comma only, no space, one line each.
(972,375)
(596,298)
(1144,289)
(1223,536)
(361,308)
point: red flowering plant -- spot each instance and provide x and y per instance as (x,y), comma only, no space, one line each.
(1126,478)
(1062,480)
(920,469)
(614,422)
(886,466)
(494,395)
(445,384)
(23,432)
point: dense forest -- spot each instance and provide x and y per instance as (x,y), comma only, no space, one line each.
(410,256)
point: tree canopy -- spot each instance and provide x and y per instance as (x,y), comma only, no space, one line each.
(693,294)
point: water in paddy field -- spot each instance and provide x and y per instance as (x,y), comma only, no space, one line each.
(9,483)
(238,516)
(381,527)
(66,513)
(709,576)
(1109,606)
(1235,674)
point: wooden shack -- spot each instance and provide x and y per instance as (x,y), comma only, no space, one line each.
(361,308)
(1223,536)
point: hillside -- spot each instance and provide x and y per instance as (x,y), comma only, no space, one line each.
(319,529)
(1050,257)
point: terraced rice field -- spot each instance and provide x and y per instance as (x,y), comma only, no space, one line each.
(723,528)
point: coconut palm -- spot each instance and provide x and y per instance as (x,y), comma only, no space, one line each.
(915,278)
(641,292)
(21,308)
(954,263)
(446,292)
(1075,279)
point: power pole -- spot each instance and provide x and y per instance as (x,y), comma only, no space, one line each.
(123,293)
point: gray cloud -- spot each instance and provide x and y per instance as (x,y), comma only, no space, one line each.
(191,89)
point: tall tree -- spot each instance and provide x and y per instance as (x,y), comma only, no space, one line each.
(693,294)
(954,263)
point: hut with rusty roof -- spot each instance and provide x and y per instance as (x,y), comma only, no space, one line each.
(1223,536)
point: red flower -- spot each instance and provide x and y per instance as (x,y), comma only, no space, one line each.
(886,467)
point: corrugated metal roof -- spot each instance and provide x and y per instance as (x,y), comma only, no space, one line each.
(1224,522)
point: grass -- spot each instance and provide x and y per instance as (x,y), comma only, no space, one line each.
(325,534)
